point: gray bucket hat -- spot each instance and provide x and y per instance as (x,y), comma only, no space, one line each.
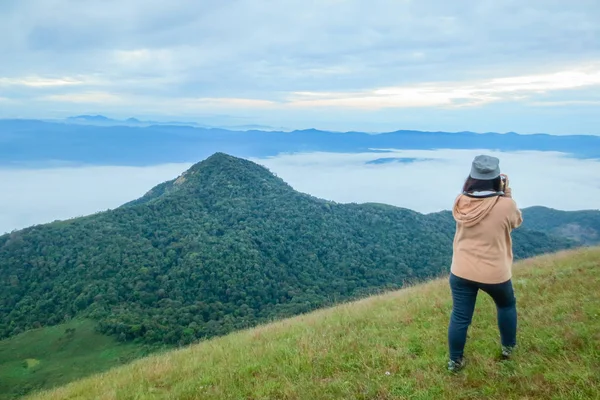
(485,167)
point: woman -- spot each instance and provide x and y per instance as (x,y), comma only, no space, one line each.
(485,215)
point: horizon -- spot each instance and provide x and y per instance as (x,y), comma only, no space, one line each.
(138,122)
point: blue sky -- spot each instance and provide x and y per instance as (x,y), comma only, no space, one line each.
(377,65)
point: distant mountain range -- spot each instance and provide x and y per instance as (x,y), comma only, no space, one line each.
(99,140)
(227,245)
(101,120)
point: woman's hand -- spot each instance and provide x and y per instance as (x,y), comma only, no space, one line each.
(506,189)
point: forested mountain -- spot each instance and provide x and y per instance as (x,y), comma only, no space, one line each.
(581,226)
(224,246)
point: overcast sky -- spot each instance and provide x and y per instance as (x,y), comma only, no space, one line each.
(481,65)
(538,178)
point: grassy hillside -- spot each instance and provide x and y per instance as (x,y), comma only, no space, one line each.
(49,357)
(390,346)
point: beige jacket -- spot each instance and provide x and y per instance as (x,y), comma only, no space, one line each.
(482,243)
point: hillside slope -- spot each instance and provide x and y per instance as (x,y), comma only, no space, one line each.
(225,246)
(581,226)
(391,346)
(53,356)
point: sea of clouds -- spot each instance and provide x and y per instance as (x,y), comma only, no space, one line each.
(422,180)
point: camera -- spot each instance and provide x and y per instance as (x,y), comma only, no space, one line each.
(503,182)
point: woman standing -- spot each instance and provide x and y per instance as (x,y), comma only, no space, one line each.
(485,215)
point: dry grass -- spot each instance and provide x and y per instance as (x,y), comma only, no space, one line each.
(390,347)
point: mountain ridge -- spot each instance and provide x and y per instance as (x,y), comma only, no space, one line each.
(28,142)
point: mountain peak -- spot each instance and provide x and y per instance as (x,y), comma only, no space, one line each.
(224,169)
(221,176)
(219,161)
(221,157)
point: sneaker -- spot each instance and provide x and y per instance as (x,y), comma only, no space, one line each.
(455,366)
(507,352)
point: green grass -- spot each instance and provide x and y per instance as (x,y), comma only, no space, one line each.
(390,347)
(47,357)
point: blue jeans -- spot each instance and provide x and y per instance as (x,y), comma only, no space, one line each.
(464,295)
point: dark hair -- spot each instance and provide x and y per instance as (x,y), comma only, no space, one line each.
(480,185)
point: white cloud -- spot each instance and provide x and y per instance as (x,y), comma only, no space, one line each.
(555,180)
(40,82)
(224,102)
(34,196)
(538,178)
(431,94)
(555,89)
(142,56)
(85,97)
(457,94)
(154,104)
(564,103)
